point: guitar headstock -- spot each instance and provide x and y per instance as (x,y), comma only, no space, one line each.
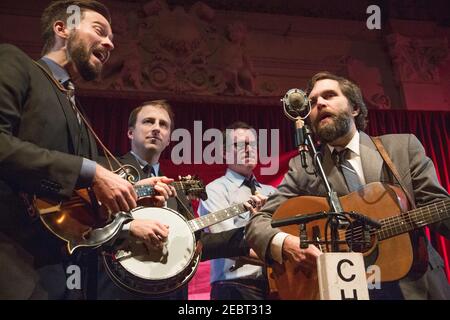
(193,187)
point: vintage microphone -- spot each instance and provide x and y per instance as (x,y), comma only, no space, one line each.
(297,107)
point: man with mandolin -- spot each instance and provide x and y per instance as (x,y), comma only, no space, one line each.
(363,171)
(47,148)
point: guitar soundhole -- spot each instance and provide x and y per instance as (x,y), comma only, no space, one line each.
(361,239)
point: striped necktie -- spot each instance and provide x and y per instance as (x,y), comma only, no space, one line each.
(71,93)
(351,177)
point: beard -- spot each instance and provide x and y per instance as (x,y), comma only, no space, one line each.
(79,54)
(339,127)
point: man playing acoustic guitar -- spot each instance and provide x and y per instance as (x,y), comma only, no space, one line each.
(351,161)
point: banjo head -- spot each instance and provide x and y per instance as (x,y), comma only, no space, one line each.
(140,270)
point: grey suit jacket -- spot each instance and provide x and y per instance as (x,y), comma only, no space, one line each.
(416,170)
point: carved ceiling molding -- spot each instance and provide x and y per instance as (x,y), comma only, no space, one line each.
(181,51)
(354,31)
(369,79)
(417,59)
(329,63)
(143,96)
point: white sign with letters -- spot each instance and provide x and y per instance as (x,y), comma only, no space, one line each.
(342,276)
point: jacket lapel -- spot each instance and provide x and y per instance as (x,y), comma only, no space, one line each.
(72,122)
(91,139)
(335,177)
(128,158)
(371,160)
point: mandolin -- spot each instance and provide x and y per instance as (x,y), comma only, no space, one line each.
(82,221)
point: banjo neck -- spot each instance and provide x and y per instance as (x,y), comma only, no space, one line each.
(216,217)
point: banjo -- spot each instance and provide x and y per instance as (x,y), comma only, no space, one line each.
(159,271)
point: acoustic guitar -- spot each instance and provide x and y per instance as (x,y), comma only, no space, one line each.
(390,246)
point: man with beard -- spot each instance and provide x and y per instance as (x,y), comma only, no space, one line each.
(337,118)
(238,184)
(45,148)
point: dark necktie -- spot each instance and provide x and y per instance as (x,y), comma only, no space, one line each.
(149,171)
(251,183)
(351,177)
(71,93)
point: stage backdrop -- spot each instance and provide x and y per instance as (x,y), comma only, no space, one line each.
(109,118)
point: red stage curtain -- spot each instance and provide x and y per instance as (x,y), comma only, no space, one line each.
(110,116)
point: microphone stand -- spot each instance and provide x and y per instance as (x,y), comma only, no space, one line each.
(305,142)
(297,107)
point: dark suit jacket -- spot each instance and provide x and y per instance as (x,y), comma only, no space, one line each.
(39,137)
(417,172)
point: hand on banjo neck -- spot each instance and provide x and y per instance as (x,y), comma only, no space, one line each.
(255,203)
(154,233)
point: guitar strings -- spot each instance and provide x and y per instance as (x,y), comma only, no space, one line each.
(388,224)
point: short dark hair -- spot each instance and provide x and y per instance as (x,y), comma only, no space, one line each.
(57,10)
(235,125)
(350,90)
(163,104)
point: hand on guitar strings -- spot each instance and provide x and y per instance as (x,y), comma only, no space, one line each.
(162,187)
(152,233)
(111,190)
(255,203)
(305,258)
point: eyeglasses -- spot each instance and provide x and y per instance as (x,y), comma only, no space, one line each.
(239,145)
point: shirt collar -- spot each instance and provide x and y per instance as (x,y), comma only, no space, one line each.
(143,163)
(237,178)
(58,72)
(353,145)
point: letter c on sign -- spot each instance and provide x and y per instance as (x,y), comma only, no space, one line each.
(339,267)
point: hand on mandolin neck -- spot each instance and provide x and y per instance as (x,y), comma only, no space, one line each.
(154,191)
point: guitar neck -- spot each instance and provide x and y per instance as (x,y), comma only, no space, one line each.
(216,217)
(414,219)
(148,190)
